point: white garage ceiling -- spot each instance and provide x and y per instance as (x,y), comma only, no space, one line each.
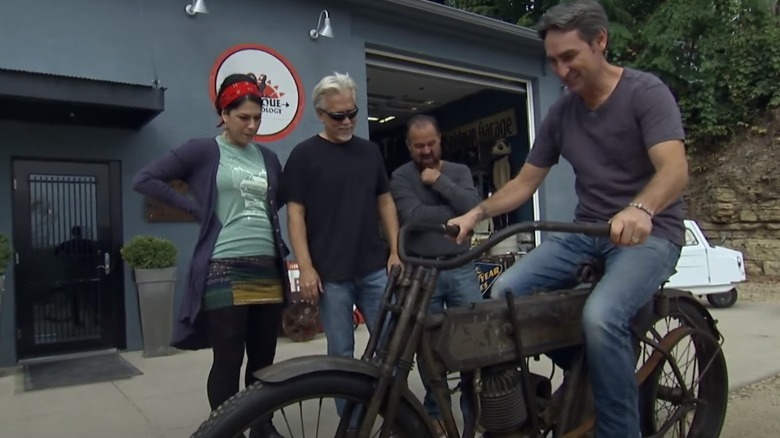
(398,90)
(401,94)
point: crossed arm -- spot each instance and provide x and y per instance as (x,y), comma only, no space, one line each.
(458,193)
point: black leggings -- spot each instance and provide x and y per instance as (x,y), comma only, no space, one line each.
(231,330)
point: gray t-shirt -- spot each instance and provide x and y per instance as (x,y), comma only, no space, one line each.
(608,148)
(452,195)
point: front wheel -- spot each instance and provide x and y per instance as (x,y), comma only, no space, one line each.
(245,409)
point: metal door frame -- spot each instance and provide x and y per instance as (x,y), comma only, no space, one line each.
(116,333)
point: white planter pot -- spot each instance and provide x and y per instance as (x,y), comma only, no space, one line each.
(155,300)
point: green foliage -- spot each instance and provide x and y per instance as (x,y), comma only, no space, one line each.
(5,252)
(720,58)
(149,252)
(720,61)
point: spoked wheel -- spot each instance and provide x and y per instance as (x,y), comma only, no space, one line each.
(304,407)
(687,396)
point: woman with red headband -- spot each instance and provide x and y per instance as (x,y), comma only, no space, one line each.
(237,280)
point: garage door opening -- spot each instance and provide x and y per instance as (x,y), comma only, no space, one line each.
(484,121)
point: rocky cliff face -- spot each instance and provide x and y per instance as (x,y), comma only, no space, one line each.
(735,197)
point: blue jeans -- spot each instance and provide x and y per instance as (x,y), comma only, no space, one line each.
(632,276)
(454,288)
(336,303)
(335,311)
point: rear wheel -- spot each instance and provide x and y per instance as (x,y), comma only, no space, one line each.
(692,403)
(246,409)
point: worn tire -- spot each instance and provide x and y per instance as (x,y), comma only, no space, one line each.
(238,413)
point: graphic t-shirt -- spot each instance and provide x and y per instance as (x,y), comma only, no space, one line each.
(242,207)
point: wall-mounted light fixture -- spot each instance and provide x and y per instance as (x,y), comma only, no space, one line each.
(196,7)
(323,26)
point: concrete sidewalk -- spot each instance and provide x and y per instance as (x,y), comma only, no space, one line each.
(752,341)
(169,399)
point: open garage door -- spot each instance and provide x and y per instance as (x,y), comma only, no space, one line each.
(486,119)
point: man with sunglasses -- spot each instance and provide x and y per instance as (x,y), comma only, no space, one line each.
(337,193)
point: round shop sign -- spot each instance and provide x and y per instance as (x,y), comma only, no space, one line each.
(283,96)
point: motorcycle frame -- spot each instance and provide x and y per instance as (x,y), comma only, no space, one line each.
(402,330)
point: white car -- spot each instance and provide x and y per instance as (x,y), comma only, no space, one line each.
(706,270)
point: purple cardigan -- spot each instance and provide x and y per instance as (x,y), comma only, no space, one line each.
(196,162)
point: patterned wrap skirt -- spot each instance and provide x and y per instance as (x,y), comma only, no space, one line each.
(242,281)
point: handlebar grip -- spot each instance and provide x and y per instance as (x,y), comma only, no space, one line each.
(451,230)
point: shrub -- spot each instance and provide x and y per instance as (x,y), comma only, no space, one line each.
(149,252)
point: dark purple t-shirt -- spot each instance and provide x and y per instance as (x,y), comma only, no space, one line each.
(608,148)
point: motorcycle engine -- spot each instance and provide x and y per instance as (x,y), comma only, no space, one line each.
(503,407)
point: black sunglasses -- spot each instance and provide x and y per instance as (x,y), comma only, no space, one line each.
(342,115)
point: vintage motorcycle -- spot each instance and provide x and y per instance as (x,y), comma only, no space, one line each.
(491,344)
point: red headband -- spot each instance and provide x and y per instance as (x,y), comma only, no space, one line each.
(234,91)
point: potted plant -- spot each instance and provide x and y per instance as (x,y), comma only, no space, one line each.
(5,257)
(153,261)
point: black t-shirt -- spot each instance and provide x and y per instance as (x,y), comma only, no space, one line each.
(338,185)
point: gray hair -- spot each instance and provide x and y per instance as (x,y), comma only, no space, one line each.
(586,16)
(335,83)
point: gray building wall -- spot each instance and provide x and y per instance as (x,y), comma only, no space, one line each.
(115,41)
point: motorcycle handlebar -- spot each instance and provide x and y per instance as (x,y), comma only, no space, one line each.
(594,229)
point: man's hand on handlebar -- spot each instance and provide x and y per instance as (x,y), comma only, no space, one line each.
(466,223)
(630,227)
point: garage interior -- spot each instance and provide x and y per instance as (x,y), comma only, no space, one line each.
(483,119)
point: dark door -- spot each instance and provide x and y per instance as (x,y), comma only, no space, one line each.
(68,272)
